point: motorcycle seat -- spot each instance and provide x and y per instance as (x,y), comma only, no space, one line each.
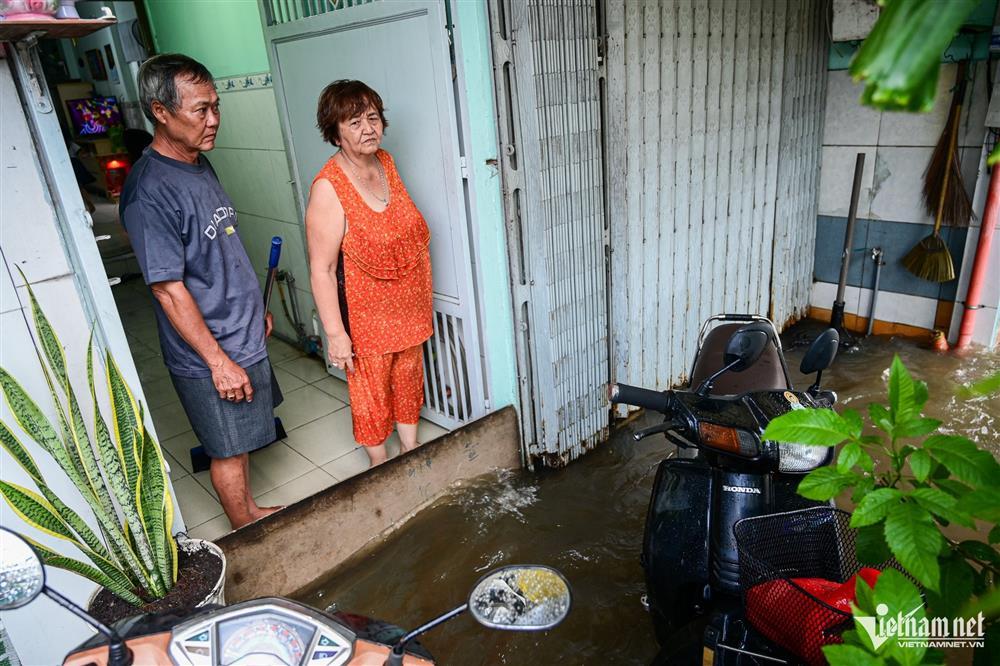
(768,373)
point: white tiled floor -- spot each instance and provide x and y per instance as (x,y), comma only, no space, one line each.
(318,452)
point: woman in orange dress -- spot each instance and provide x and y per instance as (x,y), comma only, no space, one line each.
(371,269)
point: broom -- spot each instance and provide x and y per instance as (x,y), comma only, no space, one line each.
(958,207)
(930,259)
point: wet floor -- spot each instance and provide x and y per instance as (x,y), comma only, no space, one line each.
(587,520)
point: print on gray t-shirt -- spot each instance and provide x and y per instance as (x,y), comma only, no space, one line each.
(182,226)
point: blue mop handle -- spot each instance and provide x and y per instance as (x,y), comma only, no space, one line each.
(272,267)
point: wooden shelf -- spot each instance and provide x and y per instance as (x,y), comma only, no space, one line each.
(11,31)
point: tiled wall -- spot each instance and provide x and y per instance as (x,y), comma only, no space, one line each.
(891,212)
(251,162)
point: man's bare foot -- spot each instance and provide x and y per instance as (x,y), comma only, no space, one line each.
(262,511)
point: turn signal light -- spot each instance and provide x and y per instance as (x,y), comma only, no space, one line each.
(719,437)
(731,440)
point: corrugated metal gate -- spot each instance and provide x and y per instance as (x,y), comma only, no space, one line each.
(714,139)
(709,114)
(549,95)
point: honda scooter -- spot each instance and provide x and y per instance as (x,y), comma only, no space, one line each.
(280,632)
(725,471)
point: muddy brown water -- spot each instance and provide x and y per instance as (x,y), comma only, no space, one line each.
(587,521)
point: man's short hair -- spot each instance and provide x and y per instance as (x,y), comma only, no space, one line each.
(342,100)
(158,80)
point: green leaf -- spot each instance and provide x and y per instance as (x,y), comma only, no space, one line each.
(992,383)
(48,339)
(917,427)
(818,427)
(995,534)
(954,488)
(850,655)
(920,464)
(112,461)
(35,510)
(20,454)
(854,423)
(902,399)
(874,506)
(880,416)
(123,413)
(824,483)
(915,541)
(32,421)
(983,503)
(956,586)
(864,485)
(994,157)
(117,586)
(920,394)
(871,546)
(981,551)
(850,455)
(864,596)
(964,459)
(943,505)
(900,596)
(152,495)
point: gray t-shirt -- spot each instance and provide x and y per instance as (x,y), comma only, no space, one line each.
(182,226)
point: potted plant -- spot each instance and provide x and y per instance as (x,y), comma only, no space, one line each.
(121,474)
(929,498)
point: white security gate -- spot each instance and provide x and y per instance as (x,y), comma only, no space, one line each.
(714,138)
(402,50)
(548,79)
(661,164)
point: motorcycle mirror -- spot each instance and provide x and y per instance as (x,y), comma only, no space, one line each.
(521,598)
(22,576)
(745,348)
(821,352)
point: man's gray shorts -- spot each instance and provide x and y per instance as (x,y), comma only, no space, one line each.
(225,428)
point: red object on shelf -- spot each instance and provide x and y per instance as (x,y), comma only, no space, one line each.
(789,612)
(116,168)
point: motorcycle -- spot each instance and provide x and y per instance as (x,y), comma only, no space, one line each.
(724,472)
(276,631)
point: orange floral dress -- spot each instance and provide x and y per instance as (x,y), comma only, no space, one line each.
(389,298)
(387,265)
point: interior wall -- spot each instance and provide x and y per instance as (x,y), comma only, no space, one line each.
(225,35)
(249,155)
(891,213)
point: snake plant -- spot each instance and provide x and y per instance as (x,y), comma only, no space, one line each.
(119,471)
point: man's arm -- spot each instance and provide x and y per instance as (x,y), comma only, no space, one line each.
(231,381)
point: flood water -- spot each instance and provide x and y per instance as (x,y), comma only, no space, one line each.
(587,521)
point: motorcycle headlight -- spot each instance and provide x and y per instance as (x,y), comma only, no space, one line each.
(800,458)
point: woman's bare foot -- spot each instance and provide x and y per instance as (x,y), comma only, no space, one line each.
(376,454)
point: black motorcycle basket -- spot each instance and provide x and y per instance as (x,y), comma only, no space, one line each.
(809,543)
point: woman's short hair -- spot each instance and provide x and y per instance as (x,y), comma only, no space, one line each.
(158,80)
(341,101)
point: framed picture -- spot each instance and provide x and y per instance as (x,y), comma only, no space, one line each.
(109,57)
(95,63)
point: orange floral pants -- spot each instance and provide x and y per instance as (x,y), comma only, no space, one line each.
(385,390)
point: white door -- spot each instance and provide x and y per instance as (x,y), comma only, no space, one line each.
(401,49)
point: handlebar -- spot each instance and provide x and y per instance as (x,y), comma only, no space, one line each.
(639,397)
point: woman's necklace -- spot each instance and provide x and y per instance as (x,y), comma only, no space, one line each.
(381,173)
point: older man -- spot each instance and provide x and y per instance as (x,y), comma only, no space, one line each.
(209,308)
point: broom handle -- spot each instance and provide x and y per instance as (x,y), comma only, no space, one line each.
(954,117)
(952,139)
